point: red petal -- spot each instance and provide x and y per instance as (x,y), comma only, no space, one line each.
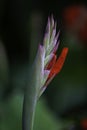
(59,63)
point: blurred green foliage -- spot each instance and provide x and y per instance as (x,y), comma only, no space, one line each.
(11,115)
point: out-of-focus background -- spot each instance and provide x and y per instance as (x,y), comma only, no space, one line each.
(63,105)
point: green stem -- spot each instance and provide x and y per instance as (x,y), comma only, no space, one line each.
(29,105)
(30,96)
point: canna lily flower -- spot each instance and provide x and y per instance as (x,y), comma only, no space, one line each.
(47,64)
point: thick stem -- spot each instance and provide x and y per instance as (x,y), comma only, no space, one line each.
(30,96)
(29,106)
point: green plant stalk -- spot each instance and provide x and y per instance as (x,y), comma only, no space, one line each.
(40,75)
(30,95)
(31,92)
(30,101)
(29,105)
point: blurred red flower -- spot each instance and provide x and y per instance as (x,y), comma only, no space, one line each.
(84,124)
(75,20)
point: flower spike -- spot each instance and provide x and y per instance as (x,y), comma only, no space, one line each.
(50,65)
(45,67)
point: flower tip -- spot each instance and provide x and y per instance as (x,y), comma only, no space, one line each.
(65,51)
(48,23)
(52,20)
(59,63)
(48,19)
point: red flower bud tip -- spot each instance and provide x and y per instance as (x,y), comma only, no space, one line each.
(59,63)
